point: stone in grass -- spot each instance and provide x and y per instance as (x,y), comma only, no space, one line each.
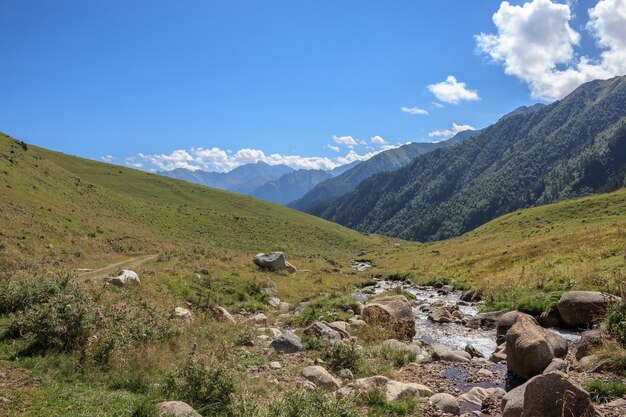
(446,403)
(273,261)
(125,277)
(287,342)
(321,377)
(176,409)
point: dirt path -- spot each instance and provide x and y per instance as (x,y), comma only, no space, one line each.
(113,268)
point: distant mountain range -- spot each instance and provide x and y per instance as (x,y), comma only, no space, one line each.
(319,197)
(532,156)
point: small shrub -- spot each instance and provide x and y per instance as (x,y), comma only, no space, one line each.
(397,291)
(245,337)
(397,357)
(344,356)
(616,322)
(379,406)
(316,403)
(603,392)
(19,292)
(203,382)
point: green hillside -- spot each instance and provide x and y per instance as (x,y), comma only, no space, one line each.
(71,346)
(87,209)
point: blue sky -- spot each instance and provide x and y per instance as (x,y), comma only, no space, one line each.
(308,83)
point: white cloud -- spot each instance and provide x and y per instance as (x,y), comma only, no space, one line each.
(413,110)
(448,133)
(215,159)
(344,140)
(378,140)
(131,161)
(452,91)
(333,148)
(536,44)
(107,158)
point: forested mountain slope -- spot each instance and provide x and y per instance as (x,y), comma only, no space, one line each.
(573,147)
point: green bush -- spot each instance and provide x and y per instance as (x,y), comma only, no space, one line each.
(316,403)
(344,356)
(378,405)
(616,322)
(203,382)
(19,292)
(397,357)
(64,322)
(603,392)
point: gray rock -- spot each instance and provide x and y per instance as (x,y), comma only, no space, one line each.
(393,390)
(474,353)
(321,377)
(484,320)
(326,332)
(346,374)
(175,409)
(512,403)
(550,318)
(183,314)
(471,296)
(477,395)
(124,278)
(588,341)
(274,302)
(275,365)
(222,315)
(557,364)
(440,315)
(287,342)
(446,403)
(394,313)
(273,261)
(584,308)
(455,356)
(499,355)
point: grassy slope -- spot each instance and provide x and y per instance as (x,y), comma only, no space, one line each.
(94,214)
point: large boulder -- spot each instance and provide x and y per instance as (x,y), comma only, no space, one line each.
(124,277)
(393,390)
(175,409)
(584,308)
(394,313)
(273,261)
(530,348)
(287,342)
(326,332)
(506,321)
(548,395)
(321,377)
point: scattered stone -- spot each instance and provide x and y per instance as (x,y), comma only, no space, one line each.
(484,320)
(273,261)
(446,403)
(340,325)
(485,373)
(183,314)
(124,277)
(589,362)
(471,296)
(474,353)
(530,348)
(258,319)
(346,374)
(274,302)
(287,342)
(477,395)
(356,323)
(270,291)
(176,409)
(326,332)
(394,313)
(583,308)
(499,355)
(557,364)
(275,365)
(588,341)
(393,390)
(440,315)
(455,356)
(221,314)
(284,307)
(321,377)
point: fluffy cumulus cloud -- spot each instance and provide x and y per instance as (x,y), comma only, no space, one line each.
(216,159)
(378,140)
(448,133)
(414,110)
(345,140)
(107,158)
(536,43)
(452,91)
